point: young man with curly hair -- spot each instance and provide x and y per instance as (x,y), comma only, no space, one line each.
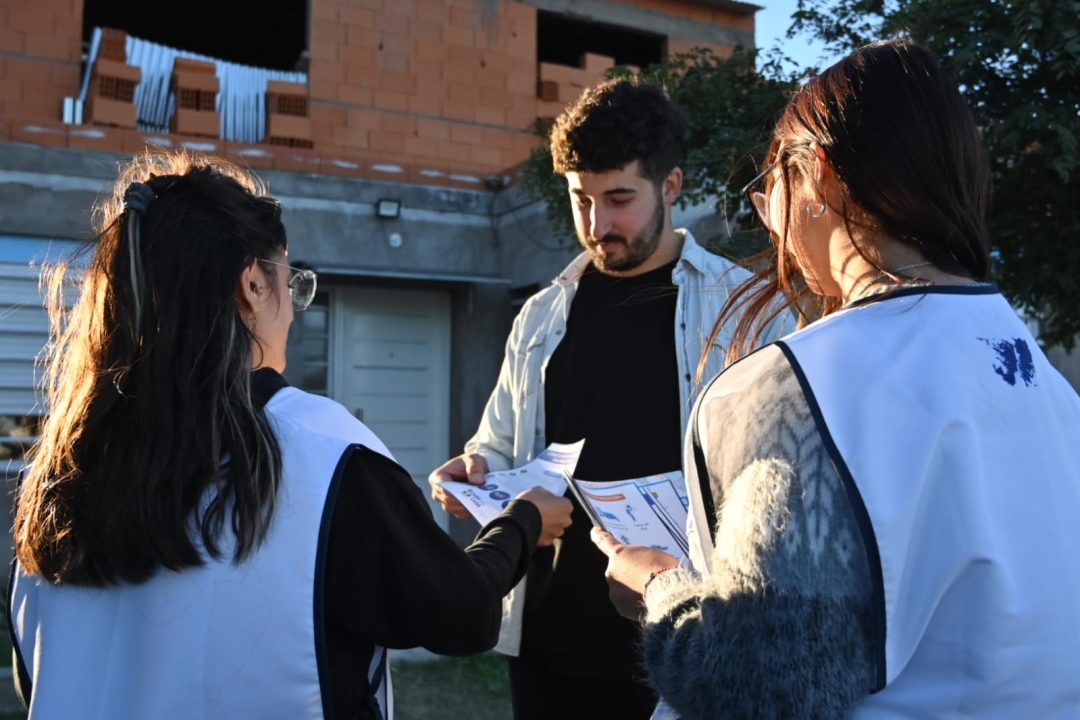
(606,353)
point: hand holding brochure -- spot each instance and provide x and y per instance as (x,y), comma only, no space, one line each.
(546,470)
(648,511)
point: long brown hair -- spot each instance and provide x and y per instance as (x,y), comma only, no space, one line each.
(152,445)
(910,165)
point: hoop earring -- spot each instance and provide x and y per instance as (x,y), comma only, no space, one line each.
(815,208)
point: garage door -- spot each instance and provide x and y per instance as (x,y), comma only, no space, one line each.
(391,351)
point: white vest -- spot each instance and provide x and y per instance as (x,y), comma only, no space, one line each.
(219,641)
(960,448)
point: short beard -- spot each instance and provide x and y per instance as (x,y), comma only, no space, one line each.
(639,248)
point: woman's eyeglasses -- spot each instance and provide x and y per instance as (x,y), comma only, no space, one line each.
(302,284)
(758,199)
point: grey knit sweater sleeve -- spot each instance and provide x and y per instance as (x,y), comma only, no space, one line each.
(781,627)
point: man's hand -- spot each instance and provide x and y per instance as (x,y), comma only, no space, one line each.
(555,512)
(470,468)
(629,567)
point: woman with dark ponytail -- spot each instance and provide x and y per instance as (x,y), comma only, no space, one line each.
(193,537)
(884,502)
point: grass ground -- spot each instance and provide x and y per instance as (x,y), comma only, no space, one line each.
(475,687)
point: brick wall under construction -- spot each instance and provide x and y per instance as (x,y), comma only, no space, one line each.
(430,91)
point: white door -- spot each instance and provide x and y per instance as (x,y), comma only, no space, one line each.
(392,370)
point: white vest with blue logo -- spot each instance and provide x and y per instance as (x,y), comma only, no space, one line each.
(218,641)
(960,447)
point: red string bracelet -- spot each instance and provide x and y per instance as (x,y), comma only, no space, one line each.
(653,576)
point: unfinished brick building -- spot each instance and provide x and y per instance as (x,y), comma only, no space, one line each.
(390,129)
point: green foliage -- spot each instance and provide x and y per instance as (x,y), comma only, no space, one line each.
(730,109)
(1018,64)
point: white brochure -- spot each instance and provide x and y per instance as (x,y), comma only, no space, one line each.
(546,470)
(648,511)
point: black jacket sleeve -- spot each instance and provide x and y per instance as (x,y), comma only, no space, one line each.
(395,578)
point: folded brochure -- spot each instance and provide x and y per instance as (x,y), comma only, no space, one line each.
(546,470)
(648,511)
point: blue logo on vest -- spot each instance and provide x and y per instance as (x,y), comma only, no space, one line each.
(1013,357)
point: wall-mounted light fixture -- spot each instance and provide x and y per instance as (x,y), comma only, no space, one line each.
(388,209)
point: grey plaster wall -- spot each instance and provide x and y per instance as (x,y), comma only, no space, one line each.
(530,253)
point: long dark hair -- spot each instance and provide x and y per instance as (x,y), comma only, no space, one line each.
(910,165)
(152,443)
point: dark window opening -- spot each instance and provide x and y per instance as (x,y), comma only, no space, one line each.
(563,40)
(264,33)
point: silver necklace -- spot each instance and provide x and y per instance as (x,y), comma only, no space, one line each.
(912,266)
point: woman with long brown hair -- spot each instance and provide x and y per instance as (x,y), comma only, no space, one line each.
(884,502)
(195,538)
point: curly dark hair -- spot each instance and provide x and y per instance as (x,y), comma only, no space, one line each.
(616,123)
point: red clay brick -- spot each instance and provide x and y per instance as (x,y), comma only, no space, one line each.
(459,72)
(391,100)
(491,78)
(421,147)
(392,60)
(387,142)
(362,76)
(466,134)
(459,110)
(399,82)
(11,91)
(454,152)
(521,80)
(434,50)
(251,156)
(353,95)
(426,70)
(425,104)
(5,130)
(326,70)
(137,142)
(426,30)
(459,36)
(366,119)
(400,123)
(495,98)
(43,101)
(394,23)
(324,113)
(66,77)
(490,115)
(388,168)
(91,137)
(361,36)
(511,157)
(324,50)
(323,88)
(549,110)
(25,70)
(340,163)
(500,139)
(296,160)
(463,17)
(357,56)
(324,9)
(12,40)
(352,137)
(39,132)
(435,11)
(426,171)
(327,30)
(471,178)
(464,93)
(432,129)
(360,17)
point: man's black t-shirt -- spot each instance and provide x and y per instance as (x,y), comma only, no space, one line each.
(613,380)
